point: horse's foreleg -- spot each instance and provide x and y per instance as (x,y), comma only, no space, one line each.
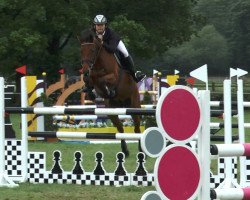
(117,123)
(137,121)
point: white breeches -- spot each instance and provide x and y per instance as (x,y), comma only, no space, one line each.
(121,47)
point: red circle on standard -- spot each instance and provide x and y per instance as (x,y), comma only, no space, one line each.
(180,114)
(178,173)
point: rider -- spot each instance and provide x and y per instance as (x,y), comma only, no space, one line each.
(113,43)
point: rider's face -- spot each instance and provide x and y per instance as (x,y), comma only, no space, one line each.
(100,28)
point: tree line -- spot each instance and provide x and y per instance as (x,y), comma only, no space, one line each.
(159,34)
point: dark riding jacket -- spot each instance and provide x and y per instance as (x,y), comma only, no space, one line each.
(110,40)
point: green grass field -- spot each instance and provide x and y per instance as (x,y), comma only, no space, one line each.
(65,192)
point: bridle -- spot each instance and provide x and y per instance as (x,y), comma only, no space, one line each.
(95,53)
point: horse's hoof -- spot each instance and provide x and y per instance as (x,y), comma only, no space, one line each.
(126,153)
(112,94)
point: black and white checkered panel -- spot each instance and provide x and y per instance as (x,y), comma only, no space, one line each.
(36,166)
(247,168)
(37,174)
(13,159)
(217,179)
(147,180)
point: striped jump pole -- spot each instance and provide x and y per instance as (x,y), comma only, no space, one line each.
(147,106)
(83,111)
(86,135)
(86,117)
(91,111)
(230,150)
(230,193)
(233,103)
(215,125)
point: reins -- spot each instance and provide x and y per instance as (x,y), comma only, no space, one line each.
(96,54)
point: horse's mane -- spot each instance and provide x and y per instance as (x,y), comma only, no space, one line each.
(86,36)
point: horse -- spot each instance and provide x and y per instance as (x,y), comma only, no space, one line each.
(106,73)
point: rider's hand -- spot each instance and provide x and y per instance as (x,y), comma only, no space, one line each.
(100,36)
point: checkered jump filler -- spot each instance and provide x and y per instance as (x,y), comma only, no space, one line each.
(177,150)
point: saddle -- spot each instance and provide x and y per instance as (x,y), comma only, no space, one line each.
(120,59)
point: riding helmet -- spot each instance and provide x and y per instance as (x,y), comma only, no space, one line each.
(100,19)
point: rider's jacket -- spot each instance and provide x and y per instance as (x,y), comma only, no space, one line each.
(110,40)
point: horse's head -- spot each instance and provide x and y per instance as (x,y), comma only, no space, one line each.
(90,49)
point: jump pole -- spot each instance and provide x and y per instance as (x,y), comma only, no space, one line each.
(86,135)
(204,144)
(87,111)
(230,150)
(240,107)
(233,103)
(4,179)
(86,117)
(24,127)
(228,182)
(232,193)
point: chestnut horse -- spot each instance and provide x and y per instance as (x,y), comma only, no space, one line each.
(104,73)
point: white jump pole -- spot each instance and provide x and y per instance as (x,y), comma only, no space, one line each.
(204,144)
(228,182)
(5,181)
(24,103)
(241,129)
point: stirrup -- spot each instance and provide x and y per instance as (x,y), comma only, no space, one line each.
(139,76)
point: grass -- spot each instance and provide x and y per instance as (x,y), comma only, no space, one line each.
(28,191)
(71,192)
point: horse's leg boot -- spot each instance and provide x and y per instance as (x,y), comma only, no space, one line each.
(87,88)
(110,92)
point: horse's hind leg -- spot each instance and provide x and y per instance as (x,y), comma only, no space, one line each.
(137,121)
(135,103)
(115,120)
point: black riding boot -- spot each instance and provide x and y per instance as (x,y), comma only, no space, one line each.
(129,65)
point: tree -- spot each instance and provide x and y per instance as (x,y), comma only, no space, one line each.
(164,23)
(240,34)
(35,32)
(207,47)
(42,34)
(232,20)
